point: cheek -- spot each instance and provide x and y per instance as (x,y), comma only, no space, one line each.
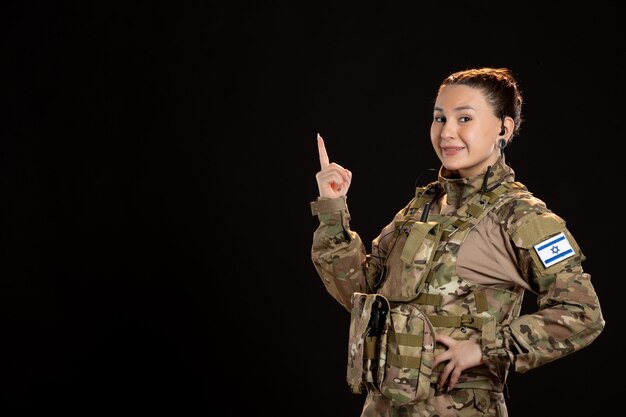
(435,147)
(434,135)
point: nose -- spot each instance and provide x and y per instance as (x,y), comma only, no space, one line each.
(447,130)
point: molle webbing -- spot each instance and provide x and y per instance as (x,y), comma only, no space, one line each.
(473,211)
(436,300)
(480,298)
(466,320)
(402,361)
(429,299)
(404,339)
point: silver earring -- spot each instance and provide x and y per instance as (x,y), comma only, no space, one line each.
(502,143)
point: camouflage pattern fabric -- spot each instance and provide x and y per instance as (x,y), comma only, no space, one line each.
(420,263)
(456,403)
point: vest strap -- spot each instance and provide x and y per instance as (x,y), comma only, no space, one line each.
(402,361)
(480,298)
(429,299)
(406,339)
(466,320)
(369,351)
(475,210)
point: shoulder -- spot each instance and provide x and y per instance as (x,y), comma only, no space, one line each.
(540,233)
(528,220)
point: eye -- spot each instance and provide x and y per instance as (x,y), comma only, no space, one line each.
(465,119)
(439,119)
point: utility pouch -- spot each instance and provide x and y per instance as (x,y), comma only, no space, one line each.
(390,349)
(410,346)
(369,320)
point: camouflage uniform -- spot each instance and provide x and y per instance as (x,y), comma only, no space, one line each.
(413,269)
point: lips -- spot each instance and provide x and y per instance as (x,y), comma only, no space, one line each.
(452,150)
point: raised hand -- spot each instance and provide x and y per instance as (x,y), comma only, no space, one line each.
(333,180)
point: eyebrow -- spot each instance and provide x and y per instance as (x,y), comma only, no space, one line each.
(456,108)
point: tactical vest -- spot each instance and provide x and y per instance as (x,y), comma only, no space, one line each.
(422,294)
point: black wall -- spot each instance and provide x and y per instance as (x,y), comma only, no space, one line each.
(157,162)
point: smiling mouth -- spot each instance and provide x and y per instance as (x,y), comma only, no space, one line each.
(452,149)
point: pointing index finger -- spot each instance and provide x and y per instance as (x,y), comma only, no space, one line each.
(322,151)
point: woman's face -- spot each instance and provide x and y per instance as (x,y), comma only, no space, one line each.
(465,130)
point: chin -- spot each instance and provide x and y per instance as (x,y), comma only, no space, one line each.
(452,170)
(451,166)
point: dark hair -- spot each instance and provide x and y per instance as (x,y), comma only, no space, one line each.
(499,87)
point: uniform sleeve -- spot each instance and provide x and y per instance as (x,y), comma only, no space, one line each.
(338,254)
(568,315)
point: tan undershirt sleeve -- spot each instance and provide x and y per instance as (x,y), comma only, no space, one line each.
(486,257)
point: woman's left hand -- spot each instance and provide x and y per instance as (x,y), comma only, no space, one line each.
(460,355)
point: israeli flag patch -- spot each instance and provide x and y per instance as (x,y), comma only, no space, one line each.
(554,249)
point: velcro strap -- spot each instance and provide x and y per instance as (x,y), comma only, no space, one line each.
(406,339)
(466,320)
(492,196)
(402,361)
(475,210)
(480,298)
(460,224)
(369,351)
(474,322)
(538,228)
(327,205)
(413,242)
(499,190)
(429,299)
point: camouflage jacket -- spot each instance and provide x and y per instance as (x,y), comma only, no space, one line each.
(410,269)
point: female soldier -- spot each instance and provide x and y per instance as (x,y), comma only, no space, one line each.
(435,307)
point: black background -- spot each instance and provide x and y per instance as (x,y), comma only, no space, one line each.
(158,160)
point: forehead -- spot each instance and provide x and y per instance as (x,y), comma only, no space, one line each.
(459,96)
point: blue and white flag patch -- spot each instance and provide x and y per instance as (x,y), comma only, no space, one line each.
(554,249)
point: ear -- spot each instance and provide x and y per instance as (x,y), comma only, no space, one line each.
(509,127)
